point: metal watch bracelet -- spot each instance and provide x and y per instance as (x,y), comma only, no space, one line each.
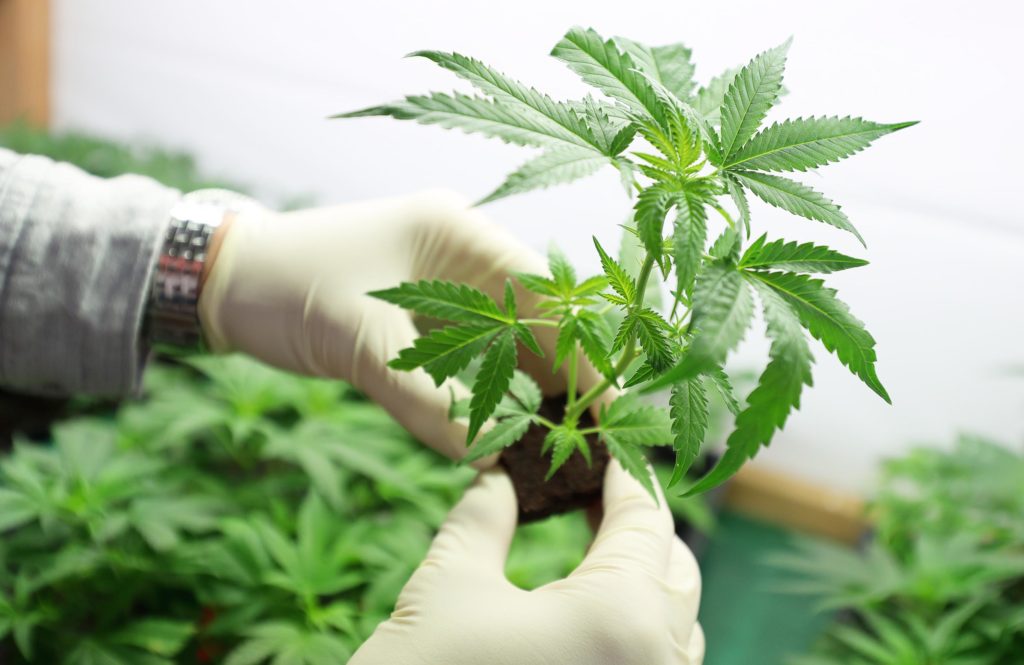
(173,311)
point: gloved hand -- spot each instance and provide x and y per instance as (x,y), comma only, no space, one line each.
(290,289)
(632,601)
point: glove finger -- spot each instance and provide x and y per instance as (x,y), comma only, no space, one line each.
(479,528)
(684,583)
(635,532)
(693,653)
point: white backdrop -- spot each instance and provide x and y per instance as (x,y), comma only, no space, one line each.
(246,86)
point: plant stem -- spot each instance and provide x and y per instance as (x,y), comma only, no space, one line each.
(573,411)
(570,382)
(540,322)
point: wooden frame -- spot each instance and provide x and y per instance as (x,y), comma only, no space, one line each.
(25,61)
(797,504)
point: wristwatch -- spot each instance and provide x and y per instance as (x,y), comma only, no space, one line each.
(172,316)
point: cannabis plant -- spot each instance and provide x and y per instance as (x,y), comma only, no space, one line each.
(689,156)
(942,581)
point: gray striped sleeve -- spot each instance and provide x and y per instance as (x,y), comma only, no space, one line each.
(76,256)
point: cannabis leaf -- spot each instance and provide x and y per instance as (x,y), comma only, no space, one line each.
(829,320)
(563,122)
(445,352)
(795,197)
(652,205)
(506,432)
(563,441)
(555,167)
(630,422)
(806,143)
(708,100)
(633,461)
(777,392)
(600,63)
(689,238)
(722,312)
(651,331)
(793,257)
(491,381)
(752,92)
(689,412)
(669,65)
(511,124)
(618,278)
(444,300)
(740,200)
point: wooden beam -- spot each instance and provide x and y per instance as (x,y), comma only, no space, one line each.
(797,504)
(25,61)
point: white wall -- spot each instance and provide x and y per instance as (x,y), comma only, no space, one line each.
(246,86)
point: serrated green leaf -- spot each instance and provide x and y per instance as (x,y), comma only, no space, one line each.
(793,257)
(444,300)
(618,278)
(491,381)
(590,286)
(611,136)
(726,247)
(796,198)
(643,374)
(708,100)
(688,240)
(633,461)
(806,143)
(722,311)
(504,433)
(538,284)
(719,380)
(562,441)
(751,93)
(510,300)
(603,65)
(651,331)
(528,339)
(526,391)
(557,166)
(630,422)
(669,65)
(776,395)
(474,115)
(445,352)
(542,109)
(565,343)
(739,198)
(595,337)
(652,206)
(562,272)
(688,405)
(829,320)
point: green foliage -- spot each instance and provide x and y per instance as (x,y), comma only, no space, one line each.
(943,579)
(691,154)
(236,513)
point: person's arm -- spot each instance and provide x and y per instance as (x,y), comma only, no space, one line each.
(76,256)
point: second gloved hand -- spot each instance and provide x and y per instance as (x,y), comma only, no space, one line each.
(290,289)
(632,601)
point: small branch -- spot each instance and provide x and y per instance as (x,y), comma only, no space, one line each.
(548,323)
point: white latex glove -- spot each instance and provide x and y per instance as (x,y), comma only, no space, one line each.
(290,289)
(632,601)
